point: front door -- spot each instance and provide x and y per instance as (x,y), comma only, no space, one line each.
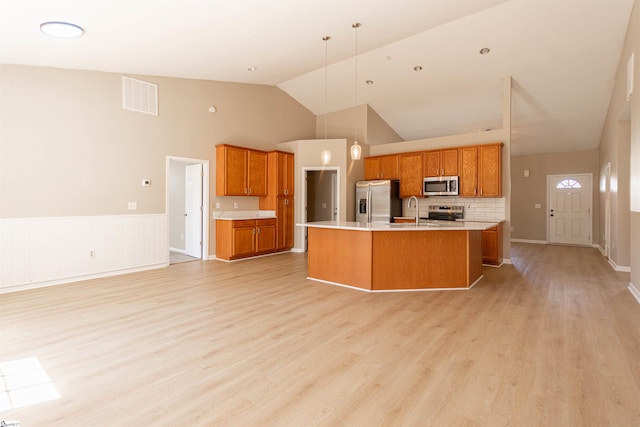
(193,211)
(569,216)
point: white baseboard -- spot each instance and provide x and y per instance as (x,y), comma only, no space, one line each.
(617,267)
(506,261)
(180,251)
(253,257)
(601,249)
(296,250)
(634,291)
(538,242)
(67,280)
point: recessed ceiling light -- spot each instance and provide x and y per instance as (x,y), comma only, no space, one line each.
(417,68)
(252,68)
(484,51)
(369,82)
(61,30)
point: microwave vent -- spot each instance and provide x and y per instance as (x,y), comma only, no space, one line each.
(140,96)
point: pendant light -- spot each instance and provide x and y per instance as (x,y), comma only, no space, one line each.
(325,155)
(356,150)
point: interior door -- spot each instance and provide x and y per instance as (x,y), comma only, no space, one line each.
(569,213)
(193,211)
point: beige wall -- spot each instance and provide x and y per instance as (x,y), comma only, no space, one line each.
(620,147)
(67,148)
(528,222)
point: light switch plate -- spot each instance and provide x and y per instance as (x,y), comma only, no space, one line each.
(133,206)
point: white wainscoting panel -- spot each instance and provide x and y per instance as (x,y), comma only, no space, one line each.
(37,252)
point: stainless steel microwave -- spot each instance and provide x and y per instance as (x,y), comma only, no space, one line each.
(441,186)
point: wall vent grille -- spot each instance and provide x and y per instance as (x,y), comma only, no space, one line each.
(138,95)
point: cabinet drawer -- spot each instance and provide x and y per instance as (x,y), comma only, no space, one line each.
(265,222)
(244,223)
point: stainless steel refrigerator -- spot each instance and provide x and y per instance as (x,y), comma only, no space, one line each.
(378,201)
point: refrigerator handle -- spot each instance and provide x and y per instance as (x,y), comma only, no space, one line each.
(369,206)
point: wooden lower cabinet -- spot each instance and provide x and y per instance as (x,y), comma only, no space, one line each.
(245,238)
(284,230)
(492,245)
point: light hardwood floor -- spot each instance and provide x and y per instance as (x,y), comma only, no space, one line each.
(552,340)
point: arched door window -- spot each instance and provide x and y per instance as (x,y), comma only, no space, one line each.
(568,183)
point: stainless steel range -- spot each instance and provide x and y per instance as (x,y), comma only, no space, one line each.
(445,213)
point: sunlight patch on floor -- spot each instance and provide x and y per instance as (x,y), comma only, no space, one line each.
(24,382)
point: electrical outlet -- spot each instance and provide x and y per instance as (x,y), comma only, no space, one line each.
(92,254)
(217,205)
(235,205)
(132,206)
(181,236)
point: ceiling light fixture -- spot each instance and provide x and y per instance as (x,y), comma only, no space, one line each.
(417,68)
(484,51)
(369,82)
(356,150)
(252,68)
(325,155)
(61,30)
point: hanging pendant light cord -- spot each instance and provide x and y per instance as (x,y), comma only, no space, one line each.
(355,101)
(326,82)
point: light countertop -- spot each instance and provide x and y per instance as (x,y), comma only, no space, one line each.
(423,226)
(239,215)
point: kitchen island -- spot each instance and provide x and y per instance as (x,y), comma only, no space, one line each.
(394,257)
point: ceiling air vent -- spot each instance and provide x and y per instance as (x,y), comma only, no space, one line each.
(138,95)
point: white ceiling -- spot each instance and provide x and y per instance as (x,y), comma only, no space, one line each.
(561,54)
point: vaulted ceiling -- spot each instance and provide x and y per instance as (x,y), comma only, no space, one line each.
(561,54)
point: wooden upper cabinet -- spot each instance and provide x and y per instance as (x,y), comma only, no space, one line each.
(381,167)
(468,184)
(240,171)
(441,162)
(256,173)
(480,171)
(489,170)
(410,167)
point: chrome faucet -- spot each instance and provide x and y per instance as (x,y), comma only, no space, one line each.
(417,208)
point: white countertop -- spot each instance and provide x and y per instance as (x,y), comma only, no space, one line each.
(238,215)
(424,225)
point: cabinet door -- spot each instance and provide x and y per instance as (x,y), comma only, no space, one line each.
(284,228)
(265,235)
(372,168)
(411,178)
(288,175)
(389,167)
(449,162)
(490,245)
(432,163)
(231,171)
(257,173)
(468,171)
(288,225)
(244,240)
(489,177)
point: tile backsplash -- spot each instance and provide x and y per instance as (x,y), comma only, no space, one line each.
(474,208)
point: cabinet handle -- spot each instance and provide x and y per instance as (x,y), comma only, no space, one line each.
(286,201)
(286,191)
(246,191)
(475,191)
(258,228)
(481,191)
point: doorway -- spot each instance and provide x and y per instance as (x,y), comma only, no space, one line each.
(321,196)
(569,220)
(187,209)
